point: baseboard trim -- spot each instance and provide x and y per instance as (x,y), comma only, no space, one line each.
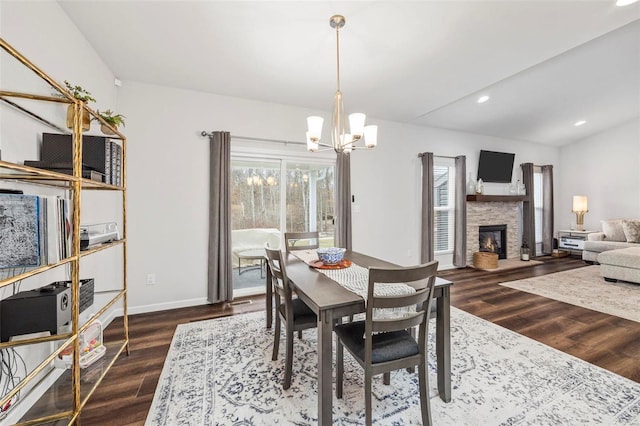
(143,309)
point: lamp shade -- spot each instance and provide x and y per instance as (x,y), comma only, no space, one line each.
(371,136)
(580,203)
(356,123)
(314,124)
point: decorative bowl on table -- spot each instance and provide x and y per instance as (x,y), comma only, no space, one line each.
(330,255)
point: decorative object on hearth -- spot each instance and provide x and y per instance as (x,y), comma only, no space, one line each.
(485,260)
(480,187)
(471,185)
(524,251)
(341,141)
(580,207)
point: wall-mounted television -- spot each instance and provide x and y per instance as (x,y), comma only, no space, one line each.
(495,166)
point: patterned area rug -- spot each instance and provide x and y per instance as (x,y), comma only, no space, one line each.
(219,372)
(585,287)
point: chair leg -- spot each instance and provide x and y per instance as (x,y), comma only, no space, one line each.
(423,382)
(367,398)
(300,334)
(339,368)
(386,378)
(412,331)
(276,338)
(288,361)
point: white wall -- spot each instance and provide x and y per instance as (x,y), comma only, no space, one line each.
(168,182)
(606,168)
(386,182)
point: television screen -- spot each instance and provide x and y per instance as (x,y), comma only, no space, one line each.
(495,166)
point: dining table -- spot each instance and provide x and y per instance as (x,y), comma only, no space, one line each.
(331,301)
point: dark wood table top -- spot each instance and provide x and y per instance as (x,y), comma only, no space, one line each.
(321,292)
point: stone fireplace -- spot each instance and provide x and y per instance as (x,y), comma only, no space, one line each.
(506,213)
(493,239)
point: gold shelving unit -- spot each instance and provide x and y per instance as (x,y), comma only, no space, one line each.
(74,386)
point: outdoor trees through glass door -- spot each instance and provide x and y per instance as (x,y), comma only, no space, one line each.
(270,197)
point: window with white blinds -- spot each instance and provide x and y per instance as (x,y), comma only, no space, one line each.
(444,205)
(538,203)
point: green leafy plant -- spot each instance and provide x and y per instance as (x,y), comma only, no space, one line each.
(78,92)
(112,118)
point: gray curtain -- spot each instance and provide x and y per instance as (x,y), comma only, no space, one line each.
(460,230)
(220,282)
(528,209)
(426,235)
(547,209)
(343,201)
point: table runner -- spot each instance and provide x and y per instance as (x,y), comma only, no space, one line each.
(355,278)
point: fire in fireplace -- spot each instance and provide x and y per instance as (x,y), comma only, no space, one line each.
(493,239)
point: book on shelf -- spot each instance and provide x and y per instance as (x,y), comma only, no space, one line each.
(116,163)
(19,231)
(34,230)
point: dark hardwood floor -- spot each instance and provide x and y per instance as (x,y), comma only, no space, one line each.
(124,397)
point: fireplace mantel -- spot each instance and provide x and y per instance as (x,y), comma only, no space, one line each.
(496,198)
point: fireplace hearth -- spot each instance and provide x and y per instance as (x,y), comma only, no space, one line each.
(493,239)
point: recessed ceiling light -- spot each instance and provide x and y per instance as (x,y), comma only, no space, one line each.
(625,2)
(580,123)
(483,99)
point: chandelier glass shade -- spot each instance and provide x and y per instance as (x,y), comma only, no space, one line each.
(341,141)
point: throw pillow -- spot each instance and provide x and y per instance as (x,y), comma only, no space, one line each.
(613,230)
(631,230)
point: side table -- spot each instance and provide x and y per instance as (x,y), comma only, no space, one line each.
(256,254)
(572,240)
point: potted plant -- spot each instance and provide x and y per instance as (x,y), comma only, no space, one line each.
(113,119)
(83,95)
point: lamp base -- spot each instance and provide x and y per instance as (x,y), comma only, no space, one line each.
(580,220)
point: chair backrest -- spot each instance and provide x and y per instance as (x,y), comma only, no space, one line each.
(278,273)
(301,240)
(421,278)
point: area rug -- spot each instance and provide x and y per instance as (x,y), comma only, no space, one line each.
(585,287)
(219,372)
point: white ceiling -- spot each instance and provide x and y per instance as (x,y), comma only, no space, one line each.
(545,64)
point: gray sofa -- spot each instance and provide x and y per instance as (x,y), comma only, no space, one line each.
(612,237)
(616,249)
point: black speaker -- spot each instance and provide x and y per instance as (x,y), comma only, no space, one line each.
(44,309)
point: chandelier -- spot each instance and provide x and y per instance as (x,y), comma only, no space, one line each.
(341,141)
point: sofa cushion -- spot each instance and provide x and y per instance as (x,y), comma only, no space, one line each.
(631,230)
(613,230)
(629,257)
(600,246)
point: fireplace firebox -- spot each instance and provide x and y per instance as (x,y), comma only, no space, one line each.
(493,239)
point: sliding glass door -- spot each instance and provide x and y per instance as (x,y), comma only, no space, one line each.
(310,199)
(270,197)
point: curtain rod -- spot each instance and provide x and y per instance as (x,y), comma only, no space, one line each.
(248,138)
(439,156)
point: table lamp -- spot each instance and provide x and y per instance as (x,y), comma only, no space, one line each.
(580,208)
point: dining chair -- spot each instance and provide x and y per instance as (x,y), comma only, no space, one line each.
(301,240)
(385,343)
(293,312)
